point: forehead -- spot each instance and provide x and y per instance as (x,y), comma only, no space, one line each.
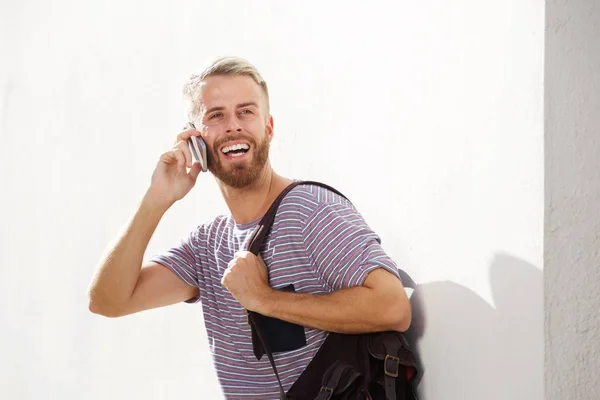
(228,91)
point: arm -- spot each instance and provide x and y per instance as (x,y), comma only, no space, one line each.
(364,294)
(380,304)
(122,285)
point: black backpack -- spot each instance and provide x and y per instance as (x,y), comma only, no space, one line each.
(347,366)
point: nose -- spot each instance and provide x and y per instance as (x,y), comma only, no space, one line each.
(233,125)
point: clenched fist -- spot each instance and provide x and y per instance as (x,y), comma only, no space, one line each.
(247,279)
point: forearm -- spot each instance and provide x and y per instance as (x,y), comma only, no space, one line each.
(352,310)
(118,271)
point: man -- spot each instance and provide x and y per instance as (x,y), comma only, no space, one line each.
(343,280)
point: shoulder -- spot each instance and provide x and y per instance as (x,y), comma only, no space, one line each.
(311,197)
(313,207)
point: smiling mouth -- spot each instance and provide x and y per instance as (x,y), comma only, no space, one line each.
(235,150)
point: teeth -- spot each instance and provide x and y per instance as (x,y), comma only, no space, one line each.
(235,147)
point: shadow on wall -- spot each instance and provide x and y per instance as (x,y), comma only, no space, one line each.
(470,350)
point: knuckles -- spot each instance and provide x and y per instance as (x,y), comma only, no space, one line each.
(243,254)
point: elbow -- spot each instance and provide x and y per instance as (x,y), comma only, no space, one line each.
(403,323)
(399,316)
(99,307)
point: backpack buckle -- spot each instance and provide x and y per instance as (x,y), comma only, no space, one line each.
(391,366)
(325,393)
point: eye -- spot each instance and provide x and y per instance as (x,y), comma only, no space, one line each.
(246,111)
(216,115)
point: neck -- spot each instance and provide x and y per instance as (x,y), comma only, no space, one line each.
(252,202)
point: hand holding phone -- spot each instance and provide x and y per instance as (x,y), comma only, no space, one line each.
(198,149)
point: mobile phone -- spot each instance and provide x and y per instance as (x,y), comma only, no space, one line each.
(198,149)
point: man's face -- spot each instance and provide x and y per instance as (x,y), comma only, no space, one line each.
(236,127)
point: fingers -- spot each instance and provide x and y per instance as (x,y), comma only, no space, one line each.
(176,156)
(184,147)
(179,156)
(186,134)
(195,171)
(182,141)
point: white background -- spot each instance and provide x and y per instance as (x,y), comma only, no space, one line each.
(428,115)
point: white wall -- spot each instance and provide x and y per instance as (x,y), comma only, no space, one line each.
(572,231)
(429,115)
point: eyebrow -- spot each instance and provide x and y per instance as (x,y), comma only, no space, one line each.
(221,108)
(249,103)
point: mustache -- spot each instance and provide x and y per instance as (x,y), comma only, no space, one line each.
(229,138)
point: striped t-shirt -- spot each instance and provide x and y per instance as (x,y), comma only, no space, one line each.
(319,243)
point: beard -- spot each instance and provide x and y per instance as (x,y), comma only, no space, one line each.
(239,175)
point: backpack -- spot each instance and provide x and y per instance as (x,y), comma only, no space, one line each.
(369,366)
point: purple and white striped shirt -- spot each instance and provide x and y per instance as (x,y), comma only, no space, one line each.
(319,243)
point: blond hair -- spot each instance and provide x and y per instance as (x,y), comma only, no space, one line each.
(222,66)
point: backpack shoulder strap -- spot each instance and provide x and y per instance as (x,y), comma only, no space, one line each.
(254,245)
(264,226)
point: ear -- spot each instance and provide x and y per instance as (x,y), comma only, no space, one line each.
(270,127)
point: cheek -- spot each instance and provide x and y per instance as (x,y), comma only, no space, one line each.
(209,133)
(255,126)
(250,123)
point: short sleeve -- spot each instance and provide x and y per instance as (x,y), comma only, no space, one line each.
(182,260)
(342,247)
